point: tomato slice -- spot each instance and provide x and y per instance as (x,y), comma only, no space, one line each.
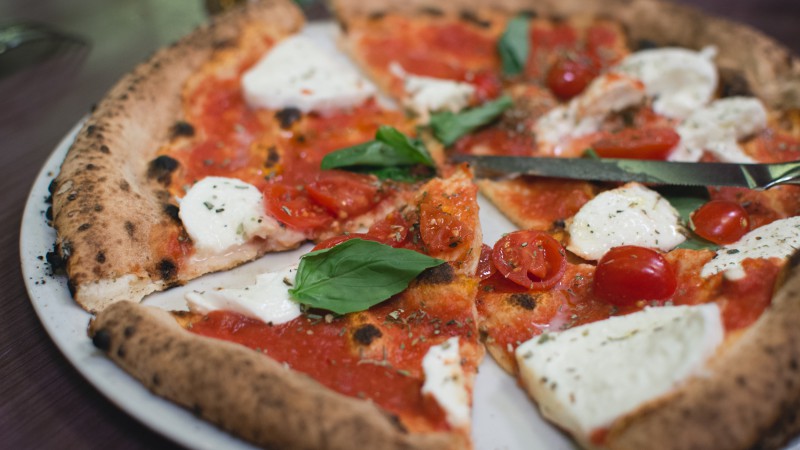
(721,221)
(628,273)
(488,85)
(485,267)
(293,207)
(344,194)
(336,240)
(570,75)
(530,258)
(638,143)
(392,230)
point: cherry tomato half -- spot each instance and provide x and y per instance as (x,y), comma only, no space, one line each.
(638,143)
(485,267)
(721,221)
(391,230)
(628,273)
(530,258)
(569,76)
(291,206)
(344,194)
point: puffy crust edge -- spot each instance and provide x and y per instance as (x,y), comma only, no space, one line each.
(244,391)
(771,70)
(107,210)
(748,398)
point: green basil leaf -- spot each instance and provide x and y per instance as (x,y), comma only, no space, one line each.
(514,45)
(391,149)
(448,127)
(686,200)
(356,274)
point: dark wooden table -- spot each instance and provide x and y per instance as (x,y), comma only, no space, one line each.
(44,402)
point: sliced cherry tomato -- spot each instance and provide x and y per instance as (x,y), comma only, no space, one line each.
(569,76)
(344,194)
(485,267)
(628,273)
(721,221)
(392,230)
(291,206)
(529,258)
(638,143)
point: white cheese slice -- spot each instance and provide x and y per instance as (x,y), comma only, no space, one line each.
(585,113)
(428,94)
(679,80)
(779,239)
(628,215)
(445,381)
(586,377)
(220,213)
(267,300)
(296,73)
(717,129)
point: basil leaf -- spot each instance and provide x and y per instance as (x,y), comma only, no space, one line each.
(686,201)
(514,45)
(356,274)
(390,149)
(448,127)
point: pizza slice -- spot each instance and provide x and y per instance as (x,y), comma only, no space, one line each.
(210,155)
(334,374)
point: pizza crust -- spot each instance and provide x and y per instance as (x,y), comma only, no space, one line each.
(771,70)
(110,206)
(244,391)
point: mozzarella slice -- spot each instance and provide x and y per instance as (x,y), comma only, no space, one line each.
(220,213)
(629,215)
(445,381)
(267,300)
(296,73)
(679,80)
(586,377)
(427,94)
(779,239)
(717,129)
(585,113)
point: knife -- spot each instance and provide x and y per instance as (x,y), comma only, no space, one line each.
(753,176)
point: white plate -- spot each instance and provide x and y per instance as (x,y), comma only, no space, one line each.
(504,418)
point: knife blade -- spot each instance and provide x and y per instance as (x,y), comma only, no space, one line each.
(753,176)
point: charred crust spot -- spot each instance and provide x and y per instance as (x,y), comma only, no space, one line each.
(48,214)
(474,19)
(182,128)
(793,365)
(523,300)
(130,228)
(56,261)
(72,287)
(733,83)
(395,420)
(98,207)
(272,157)
(172,211)
(105,149)
(167,269)
(646,44)
(223,44)
(288,116)
(366,334)
(100,258)
(431,11)
(156,380)
(377,15)
(72,196)
(84,227)
(91,166)
(441,274)
(90,130)
(559,224)
(121,352)
(124,186)
(741,380)
(161,169)
(197,410)
(102,340)
(51,188)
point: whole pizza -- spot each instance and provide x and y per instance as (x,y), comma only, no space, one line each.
(633,315)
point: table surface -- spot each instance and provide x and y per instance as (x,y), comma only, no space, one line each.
(44,401)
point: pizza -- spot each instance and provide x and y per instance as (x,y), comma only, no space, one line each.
(631,315)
